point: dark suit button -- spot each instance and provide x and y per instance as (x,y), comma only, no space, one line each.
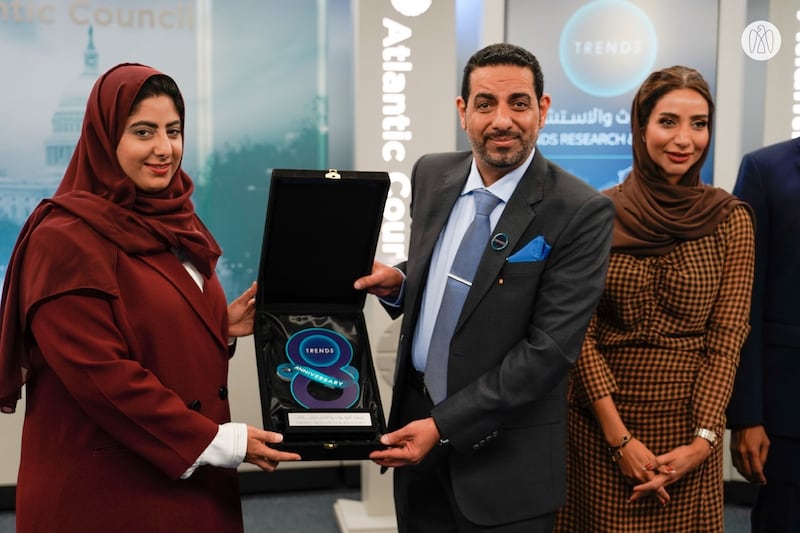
(475,447)
(195,405)
(223,393)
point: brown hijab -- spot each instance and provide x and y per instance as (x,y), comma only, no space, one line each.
(652,215)
(96,190)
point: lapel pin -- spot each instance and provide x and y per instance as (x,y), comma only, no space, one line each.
(499,242)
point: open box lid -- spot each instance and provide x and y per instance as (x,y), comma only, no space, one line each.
(320,235)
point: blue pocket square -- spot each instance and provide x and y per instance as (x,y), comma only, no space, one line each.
(535,250)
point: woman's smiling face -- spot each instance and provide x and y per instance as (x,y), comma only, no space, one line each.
(677,132)
(151,146)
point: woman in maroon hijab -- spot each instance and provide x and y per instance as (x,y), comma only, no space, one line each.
(113,318)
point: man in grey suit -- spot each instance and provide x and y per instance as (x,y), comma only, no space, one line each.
(486,452)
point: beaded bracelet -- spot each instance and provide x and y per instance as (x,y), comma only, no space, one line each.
(616,451)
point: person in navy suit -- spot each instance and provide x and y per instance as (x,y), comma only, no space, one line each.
(764,411)
(490,454)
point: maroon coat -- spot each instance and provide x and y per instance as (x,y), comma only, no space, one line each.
(127,387)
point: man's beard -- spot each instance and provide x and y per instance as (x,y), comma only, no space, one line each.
(505,157)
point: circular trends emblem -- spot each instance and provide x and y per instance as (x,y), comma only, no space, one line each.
(321,356)
(608,47)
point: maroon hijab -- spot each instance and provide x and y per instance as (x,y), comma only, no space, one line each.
(653,216)
(96,190)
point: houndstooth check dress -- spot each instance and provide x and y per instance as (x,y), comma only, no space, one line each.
(664,343)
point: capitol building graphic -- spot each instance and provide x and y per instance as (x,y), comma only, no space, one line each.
(19,195)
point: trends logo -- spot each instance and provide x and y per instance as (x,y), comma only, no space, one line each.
(761,40)
(608,47)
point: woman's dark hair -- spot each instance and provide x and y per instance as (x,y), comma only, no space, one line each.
(667,80)
(157,85)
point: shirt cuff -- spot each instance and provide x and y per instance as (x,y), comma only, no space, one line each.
(227,450)
(397,301)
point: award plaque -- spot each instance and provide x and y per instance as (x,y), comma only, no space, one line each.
(315,369)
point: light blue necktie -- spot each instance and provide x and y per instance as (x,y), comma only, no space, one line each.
(458,284)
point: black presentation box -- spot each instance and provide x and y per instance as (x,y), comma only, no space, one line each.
(315,370)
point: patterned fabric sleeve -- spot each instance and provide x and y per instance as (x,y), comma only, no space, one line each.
(590,378)
(728,324)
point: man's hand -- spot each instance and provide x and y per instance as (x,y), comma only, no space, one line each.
(408,445)
(749,447)
(261,455)
(383,282)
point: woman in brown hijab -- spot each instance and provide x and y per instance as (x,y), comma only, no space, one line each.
(113,318)
(649,391)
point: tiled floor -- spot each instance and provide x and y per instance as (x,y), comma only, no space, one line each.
(737,519)
(312,512)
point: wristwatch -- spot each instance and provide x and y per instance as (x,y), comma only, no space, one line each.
(707,434)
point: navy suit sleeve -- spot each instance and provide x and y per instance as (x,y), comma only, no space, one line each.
(746,404)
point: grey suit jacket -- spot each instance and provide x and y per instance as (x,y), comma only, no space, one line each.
(519,332)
